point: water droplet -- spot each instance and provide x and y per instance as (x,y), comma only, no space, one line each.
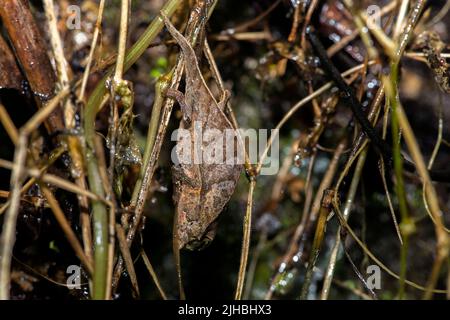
(81,39)
(163,188)
(285,281)
(302,154)
(313,61)
(298,160)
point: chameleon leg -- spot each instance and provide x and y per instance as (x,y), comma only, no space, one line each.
(179,97)
(224,99)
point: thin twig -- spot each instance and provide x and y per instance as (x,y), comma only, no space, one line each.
(300,104)
(127,257)
(153,275)
(320,211)
(65,226)
(346,213)
(92,107)
(248,24)
(9,224)
(442,246)
(69,112)
(245,241)
(94,42)
(123,33)
(373,257)
(38,174)
(54,155)
(8,124)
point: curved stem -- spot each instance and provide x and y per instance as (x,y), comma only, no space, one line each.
(245,241)
(99,210)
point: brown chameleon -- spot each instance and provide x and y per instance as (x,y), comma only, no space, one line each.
(202,189)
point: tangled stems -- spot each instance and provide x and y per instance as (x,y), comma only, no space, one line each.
(99,210)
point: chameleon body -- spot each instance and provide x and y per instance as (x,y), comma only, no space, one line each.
(201,189)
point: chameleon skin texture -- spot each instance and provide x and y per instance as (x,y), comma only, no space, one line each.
(203,187)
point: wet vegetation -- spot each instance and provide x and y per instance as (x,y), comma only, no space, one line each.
(354,96)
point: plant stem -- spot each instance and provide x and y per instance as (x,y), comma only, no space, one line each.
(124,15)
(319,211)
(346,213)
(160,87)
(245,241)
(392,92)
(99,211)
(98,24)
(407,225)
